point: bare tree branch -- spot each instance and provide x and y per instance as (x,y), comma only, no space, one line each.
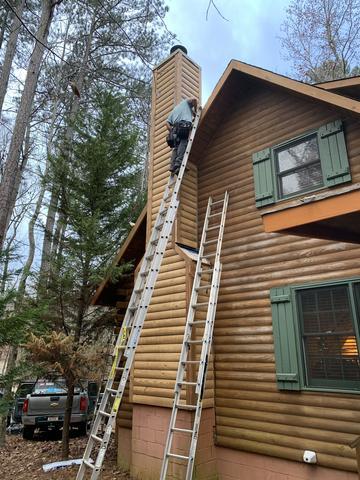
(212,3)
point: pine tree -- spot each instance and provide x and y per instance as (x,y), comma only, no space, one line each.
(97,179)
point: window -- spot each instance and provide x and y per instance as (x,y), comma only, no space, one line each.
(316,336)
(314,160)
(298,167)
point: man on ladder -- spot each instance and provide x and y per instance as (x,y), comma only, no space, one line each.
(179,124)
(128,338)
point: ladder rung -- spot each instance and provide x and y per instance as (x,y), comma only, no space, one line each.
(159,227)
(132,308)
(175,455)
(95,437)
(205,271)
(217,202)
(150,257)
(201,304)
(154,242)
(182,430)
(215,240)
(88,464)
(186,407)
(139,290)
(203,287)
(208,255)
(214,214)
(144,274)
(111,390)
(191,361)
(163,212)
(197,322)
(195,342)
(213,228)
(104,414)
(187,383)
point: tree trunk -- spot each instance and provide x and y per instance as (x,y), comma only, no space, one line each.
(48,235)
(50,219)
(3,27)
(70,383)
(7,393)
(54,201)
(31,236)
(7,187)
(10,51)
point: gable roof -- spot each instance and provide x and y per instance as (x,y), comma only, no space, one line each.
(237,75)
(340,83)
(313,91)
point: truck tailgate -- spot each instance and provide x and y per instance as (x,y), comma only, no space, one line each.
(51,405)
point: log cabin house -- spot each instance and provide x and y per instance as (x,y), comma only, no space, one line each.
(285,374)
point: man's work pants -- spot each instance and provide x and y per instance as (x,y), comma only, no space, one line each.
(178,155)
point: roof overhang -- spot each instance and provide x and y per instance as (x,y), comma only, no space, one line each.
(132,249)
(236,79)
(319,92)
(340,83)
(331,215)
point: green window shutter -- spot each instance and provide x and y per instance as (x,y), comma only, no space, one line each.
(263,178)
(287,367)
(333,154)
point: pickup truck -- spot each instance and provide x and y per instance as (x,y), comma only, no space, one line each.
(44,407)
(22,391)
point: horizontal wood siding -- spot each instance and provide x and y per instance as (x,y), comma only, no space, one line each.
(186,223)
(157,355)
(158,352)
(123,294)
(251,414)
(176,79)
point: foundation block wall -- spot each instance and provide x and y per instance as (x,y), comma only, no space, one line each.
(140,450)
(150,427)
(236,465)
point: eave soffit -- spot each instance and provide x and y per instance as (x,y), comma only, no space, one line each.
(122,251)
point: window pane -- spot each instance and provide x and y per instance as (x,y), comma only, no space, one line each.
(304,179)
(330,346)
(298,155)
(298,166)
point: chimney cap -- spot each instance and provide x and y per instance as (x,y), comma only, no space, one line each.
(178,47)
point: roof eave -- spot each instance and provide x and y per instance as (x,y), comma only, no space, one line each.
(96,297)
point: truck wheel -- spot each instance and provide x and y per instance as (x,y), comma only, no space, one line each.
(28,432)
(82,428)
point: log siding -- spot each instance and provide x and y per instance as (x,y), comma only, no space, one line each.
(157,355)
(251,414)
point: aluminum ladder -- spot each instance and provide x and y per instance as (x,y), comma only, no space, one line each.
(207,279)
(128,338)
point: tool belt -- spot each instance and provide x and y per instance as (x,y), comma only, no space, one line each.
(171,139)
(183,129)
(180,131)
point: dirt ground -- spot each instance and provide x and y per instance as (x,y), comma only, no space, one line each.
(23,459)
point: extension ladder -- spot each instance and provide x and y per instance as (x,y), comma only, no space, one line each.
(128,338)
(206,278)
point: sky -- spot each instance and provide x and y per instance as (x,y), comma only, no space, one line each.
(250,34)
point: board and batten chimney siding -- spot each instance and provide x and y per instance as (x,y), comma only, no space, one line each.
(158,352)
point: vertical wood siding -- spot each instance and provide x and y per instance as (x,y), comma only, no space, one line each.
(251,414)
